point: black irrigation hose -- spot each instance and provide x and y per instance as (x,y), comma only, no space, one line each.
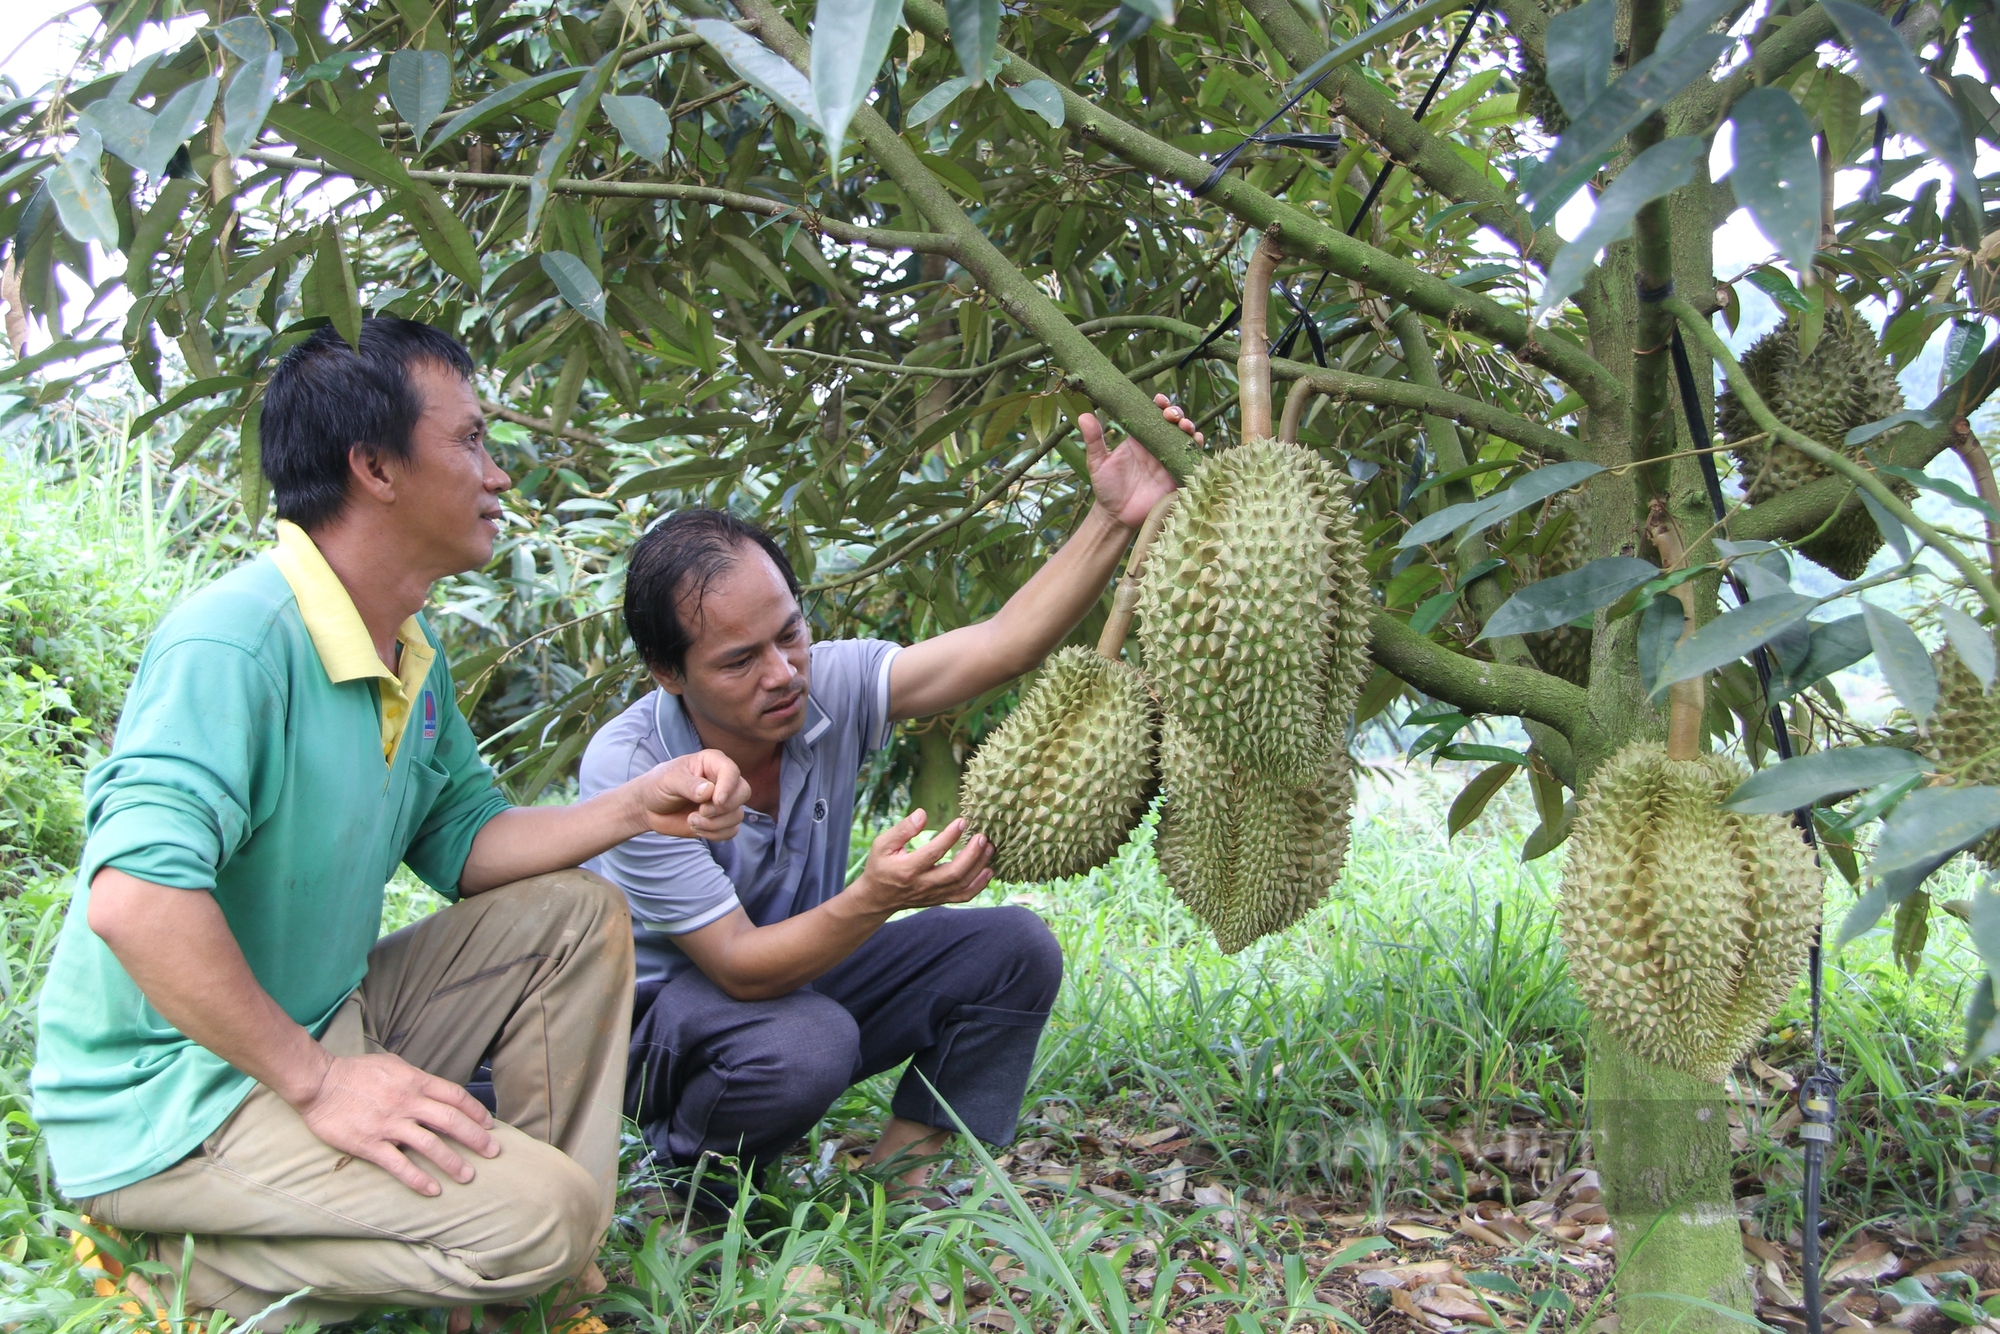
(1818,1091)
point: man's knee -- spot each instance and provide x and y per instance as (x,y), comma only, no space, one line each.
(587,895)
(559,1221)
(806,1049)
(1035,956)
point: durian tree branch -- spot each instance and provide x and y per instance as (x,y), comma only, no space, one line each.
(1311,240)
(1652,424)
(1968,568)
(1346,386)
(1024,302)
(881,238)
(1476,686)
(1429,157)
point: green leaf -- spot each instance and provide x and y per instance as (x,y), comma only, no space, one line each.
(1042,98)
(1861,435)
(1904,661)
(676,476)
(1359,1249)
(1915,105)
(1962,347)
(1891,527)
(770,73)
(1983,925)
(1475,516)
(1861,918)
(1160,11)
(1378,34)
(578,285)
(975,33)
(1661,169)
(1690,21)
(332,67)
(1777,172)
(1472,799)
(334,278)
(123,127)
(1934,822)
(570,121)
(1580,44)
(81,200)
(444,236)
(850,38)
(504,100)
(1552,602)
(1950,490)
(60,350)
(1732,635)
(1809,780)
(1779,288)
(936,100)
(1660,626)
(247,38)
(1548,837)
(342,144)
(200,389)
(1982,1034)
(1597,133)
(419,86)
(1834,646)
(643,125)
(179,118)
(252,89)
(1972,642)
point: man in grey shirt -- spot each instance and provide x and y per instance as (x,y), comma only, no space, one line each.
(766,983)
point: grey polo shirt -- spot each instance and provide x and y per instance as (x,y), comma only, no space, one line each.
(775,867)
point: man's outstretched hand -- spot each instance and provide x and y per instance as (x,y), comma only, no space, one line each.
(695,796)
(1128,480)
(898,876)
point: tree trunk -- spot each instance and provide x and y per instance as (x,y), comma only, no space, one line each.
(1662,1144)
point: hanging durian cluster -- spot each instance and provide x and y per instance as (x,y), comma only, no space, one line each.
(1253,602)
(1686,924)
(1062,782)
(1843,383)
(1965,733)
(1565,650)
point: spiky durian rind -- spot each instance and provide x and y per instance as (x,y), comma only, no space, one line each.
(1061,783)
(1686,924)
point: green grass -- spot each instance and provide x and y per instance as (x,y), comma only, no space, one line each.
(1348,1072)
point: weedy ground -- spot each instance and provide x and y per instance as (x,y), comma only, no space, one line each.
(1373,1121)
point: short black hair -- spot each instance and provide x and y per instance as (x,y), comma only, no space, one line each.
(679,557)
(325,398)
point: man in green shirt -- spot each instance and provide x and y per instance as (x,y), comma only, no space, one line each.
(226,1050)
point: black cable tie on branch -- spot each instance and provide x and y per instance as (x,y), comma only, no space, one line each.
(1818,1105)
(1653,296)
(1228,323)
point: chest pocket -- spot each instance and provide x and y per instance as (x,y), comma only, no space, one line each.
(422,780)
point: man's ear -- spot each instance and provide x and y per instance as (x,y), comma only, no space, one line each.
(666,680)
(372,472)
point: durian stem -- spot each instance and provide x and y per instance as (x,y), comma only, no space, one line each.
(1973,455)
(1295,409)
(1253,359)
(1760,412)
(1686,700)
(1119,623)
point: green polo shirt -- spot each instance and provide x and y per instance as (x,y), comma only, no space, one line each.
(250,763)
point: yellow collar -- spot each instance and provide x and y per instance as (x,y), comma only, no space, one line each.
(341,637)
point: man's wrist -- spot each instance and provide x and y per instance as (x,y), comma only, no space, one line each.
(1103,515)
(859,902)
(302,1083)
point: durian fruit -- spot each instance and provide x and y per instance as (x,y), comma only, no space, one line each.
(1965,733)
(1060,784)
(1686,924)
(1844,383)
(1249,856)
(1565,650)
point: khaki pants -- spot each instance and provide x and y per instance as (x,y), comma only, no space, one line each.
(535,976)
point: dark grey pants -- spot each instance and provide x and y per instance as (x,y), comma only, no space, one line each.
(960,993)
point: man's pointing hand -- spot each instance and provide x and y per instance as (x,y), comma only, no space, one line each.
(695,796)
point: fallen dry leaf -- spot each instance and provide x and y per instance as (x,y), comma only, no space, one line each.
(1453,1303)
(1870,1261)
(1152,1137)
(1417,1232)
(1777,1079)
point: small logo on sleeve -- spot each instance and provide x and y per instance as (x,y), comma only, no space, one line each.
(819,810)
(430,707)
